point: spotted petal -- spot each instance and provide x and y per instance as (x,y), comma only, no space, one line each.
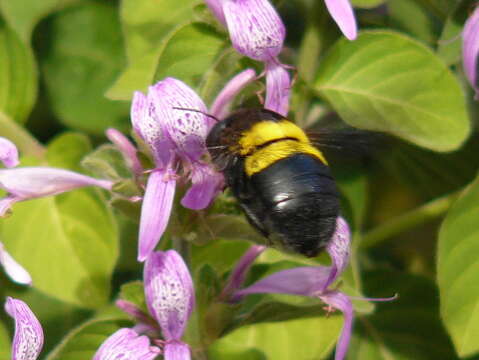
(126,344)
(28,338)
(255,28)
(169,292)
(147,125)
(155,210)
(13,269)
(187,129)
(8,153)
(470,50)
(342,12)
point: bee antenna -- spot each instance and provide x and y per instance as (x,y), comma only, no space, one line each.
(198,111)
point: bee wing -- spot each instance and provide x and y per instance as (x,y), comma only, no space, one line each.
(349,141)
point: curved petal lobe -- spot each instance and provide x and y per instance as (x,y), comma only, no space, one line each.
(206,185)
(230,90)
(126,344)
(342,13)
(8,153)
(34,182)
(155,210)
(28,338)
(255,28)
(278,88)
(305,281)
(186,129)
(14,270)
(470,50)
(169,292)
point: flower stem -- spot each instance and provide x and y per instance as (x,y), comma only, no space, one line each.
(410,219)
(25,142)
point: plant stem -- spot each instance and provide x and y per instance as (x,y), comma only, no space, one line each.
(411,219)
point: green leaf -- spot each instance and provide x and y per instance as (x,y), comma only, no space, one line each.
(414,18)
(404,329)
(450,42)
(5,342)
(458,271)
(23,15)
(68,243)
(147,26)
(18,76)
(190,53)
(81,65)
(83,342)
(367,4)
(303,339)
(388,82)
(66,151)
(134,293)
(107,162)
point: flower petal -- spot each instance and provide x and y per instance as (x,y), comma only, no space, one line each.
(339,249)
(216,7)
(34,182)
(342,13)
(305,281)
(126,344)
(147,125)
(255,28)
(28,338)
(13,269)
(8,153)
(341,302)
(127,149)
(230,90)
(177,350)
(278,88)
(187,129)
(132,310)
(206,185)
(155,210)
(470,50)
(169,292)
(240,270)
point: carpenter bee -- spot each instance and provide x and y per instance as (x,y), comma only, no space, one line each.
(282,182)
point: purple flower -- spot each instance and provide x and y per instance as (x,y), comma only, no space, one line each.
(256,31)
(126,344)
(8,153)
(13,269)
(315,281)
(470,50)
(342,12)
(25,183)
(170,299)
(171,120)
(28,338)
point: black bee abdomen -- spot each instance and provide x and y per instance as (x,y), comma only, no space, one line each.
(297,201)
